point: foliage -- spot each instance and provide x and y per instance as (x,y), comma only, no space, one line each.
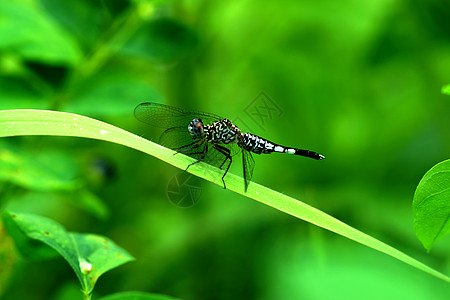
(89,255)
(432,205)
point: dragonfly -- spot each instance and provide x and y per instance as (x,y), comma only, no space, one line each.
(210,138)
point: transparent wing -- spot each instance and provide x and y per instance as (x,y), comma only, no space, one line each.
(178,137)
(175,121)
(165,116)
(249,165)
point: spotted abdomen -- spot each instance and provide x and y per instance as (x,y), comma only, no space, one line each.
(259,145)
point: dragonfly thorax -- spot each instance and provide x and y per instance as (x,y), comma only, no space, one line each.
(222,132)
(196,129)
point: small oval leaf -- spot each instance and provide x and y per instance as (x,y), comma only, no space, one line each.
(28,248)
(431,205)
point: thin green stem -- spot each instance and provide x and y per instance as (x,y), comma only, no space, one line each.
(86,295)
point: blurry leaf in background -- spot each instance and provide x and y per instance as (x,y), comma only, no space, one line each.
(162,40)
(446,90)
(431,205)
(11,64)
(321,268)
(89,202)
(17,94)
(89,255)
(77,17)
(8,258)
(42,171)
(114,93)
(23,25)
(61,204)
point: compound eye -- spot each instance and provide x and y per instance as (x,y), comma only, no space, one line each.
(198,124)
(196,128)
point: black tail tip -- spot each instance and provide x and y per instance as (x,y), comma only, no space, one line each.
(309,154)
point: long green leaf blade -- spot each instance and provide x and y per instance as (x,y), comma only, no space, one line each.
(40,122)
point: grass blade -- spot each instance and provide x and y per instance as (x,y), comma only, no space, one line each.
(41,122)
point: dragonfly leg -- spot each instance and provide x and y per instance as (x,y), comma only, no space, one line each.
(226,152)
(191,146)
(205,150)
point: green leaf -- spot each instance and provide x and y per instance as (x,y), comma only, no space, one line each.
(29,248)
(136,296)
(90,203)
(89,255)
(431,205)
(22,26)
(40,122)
(446,89)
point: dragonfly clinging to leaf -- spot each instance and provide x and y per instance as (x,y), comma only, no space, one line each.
(210,138)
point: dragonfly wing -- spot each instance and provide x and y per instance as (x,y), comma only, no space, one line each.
(157,115)
(165,116)
(249,165)
(177,138)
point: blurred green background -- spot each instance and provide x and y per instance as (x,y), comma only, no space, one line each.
(357,81)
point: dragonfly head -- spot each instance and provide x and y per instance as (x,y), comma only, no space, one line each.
(195,129)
